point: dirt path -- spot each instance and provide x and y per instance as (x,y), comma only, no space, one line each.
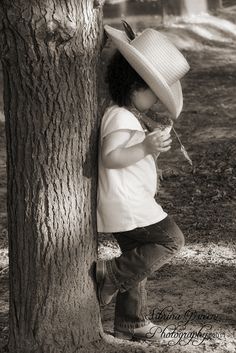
(199,283)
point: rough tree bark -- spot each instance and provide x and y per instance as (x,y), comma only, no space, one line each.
(49,56)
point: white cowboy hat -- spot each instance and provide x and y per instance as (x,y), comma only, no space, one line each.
(157,61)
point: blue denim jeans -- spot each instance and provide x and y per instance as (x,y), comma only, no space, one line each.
(144,250)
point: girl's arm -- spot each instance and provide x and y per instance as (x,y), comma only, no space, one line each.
(115,155)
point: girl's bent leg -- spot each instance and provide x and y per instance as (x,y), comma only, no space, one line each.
(145,250)
(148,248)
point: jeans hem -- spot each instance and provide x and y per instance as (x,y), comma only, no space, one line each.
(121,324)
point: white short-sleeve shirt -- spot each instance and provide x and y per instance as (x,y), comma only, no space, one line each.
(125,198)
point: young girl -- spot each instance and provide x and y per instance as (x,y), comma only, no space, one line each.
(144,68)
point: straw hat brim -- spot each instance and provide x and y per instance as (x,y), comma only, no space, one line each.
(170,96)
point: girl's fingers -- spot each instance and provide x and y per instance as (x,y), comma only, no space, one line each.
(165,143)
(159,134)
(164,149)
(166,137)
(161,138)
(161,144)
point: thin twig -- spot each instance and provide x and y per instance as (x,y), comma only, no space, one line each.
(177,136)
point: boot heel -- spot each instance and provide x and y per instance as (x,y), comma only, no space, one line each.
(123,335)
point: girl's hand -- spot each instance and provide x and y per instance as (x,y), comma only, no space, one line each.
(156,142)
(115,155)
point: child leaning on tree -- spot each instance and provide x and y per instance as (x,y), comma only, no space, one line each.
(144,69)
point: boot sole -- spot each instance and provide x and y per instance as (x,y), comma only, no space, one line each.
(130,336)
(123,335)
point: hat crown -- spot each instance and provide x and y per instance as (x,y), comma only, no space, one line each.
(162,54)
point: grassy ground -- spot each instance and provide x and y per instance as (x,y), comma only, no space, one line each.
(200,281)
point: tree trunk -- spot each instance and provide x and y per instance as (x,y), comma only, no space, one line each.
(49,58)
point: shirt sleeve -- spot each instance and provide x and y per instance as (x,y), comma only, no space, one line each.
(119,119)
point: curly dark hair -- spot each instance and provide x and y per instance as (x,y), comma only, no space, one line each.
(122,80)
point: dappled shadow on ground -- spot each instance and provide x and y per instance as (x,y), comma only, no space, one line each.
(189,298)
